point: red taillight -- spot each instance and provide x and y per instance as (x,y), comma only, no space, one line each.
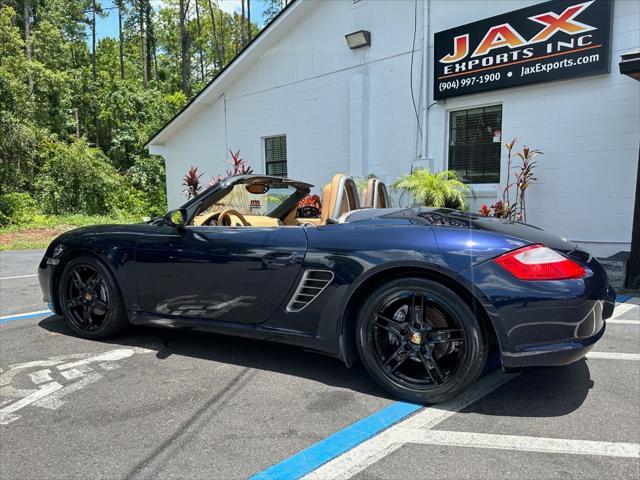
(537,262)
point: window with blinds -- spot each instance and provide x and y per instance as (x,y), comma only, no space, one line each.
(474,144)
(275,154)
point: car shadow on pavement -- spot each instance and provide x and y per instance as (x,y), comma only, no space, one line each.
(256,354)
(540,392)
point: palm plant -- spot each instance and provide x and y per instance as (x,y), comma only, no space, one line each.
(442,189)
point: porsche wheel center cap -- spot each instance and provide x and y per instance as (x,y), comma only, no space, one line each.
(416,338)
(87,297)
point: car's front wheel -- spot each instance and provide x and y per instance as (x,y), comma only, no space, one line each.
(420,341)
(90,300)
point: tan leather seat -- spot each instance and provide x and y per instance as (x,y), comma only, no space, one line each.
(326,201)
(339,197)
(262,221)
(375,195)
(253,220)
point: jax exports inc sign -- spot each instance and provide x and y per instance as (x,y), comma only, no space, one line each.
(549,41)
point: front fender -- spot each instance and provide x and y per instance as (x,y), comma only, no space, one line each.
(117,252)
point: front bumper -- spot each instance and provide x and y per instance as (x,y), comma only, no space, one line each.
(46,275)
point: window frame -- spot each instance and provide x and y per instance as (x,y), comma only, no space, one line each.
(264,153)
(483,189)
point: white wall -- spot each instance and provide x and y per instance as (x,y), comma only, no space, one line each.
(588,129)
(351,111)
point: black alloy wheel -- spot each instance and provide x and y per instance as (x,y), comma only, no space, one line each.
(420,340)
(90,300)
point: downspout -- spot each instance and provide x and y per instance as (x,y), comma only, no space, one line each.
(425,83)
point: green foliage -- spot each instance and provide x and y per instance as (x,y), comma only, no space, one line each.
(77,178)
(74,139)
(16,208)
(442,189)
(147,175)
(272,8)
(20,153)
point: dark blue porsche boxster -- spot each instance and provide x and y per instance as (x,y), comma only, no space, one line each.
(420,295)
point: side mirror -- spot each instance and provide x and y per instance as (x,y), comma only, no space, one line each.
(176,218)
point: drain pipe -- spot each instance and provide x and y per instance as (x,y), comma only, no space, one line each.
(425,83)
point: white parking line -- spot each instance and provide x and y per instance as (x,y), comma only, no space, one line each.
(18,276)
(418,429)
(624,322)
(369,452)
(613,356)
(520,443)
(625,307)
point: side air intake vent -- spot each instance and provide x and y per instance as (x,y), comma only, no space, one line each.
(312,284)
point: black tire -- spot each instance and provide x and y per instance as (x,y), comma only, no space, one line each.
(90,299)
(427,356)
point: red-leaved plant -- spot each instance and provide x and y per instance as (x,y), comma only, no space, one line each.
(239,166)
(191,182)
(524,177)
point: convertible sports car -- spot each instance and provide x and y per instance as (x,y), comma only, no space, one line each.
(420,295)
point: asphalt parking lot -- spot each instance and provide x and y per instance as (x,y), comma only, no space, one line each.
(168,404)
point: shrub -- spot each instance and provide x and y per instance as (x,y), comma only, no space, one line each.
(147,176)
(76,178)
(16,208)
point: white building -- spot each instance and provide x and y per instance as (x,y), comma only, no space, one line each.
(298,94)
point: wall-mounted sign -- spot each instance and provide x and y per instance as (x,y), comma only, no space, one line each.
(549,41)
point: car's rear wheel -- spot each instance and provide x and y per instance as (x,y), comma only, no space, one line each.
(420,341)
(90,300)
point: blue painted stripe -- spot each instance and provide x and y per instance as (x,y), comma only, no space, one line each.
(340,442)
(335,445)
(24,316)
(623,298)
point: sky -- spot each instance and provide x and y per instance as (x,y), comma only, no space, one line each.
(108,26)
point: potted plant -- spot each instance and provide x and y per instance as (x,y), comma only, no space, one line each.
(442,189)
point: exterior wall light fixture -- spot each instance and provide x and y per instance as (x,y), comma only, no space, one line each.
(361,38)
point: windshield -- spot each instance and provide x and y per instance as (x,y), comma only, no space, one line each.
(246,203)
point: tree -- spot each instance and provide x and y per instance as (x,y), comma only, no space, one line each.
(143,44)
(120,5)
(27,41)
(184,48)
(216,50)
(249,36)
(272,9)
(199,40)
(242,31)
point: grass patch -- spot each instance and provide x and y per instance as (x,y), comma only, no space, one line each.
(41,229)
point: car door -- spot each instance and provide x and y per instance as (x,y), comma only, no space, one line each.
(232,274)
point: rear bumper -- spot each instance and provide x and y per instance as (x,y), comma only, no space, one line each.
(609,303)
(546,323)
(555,355)
(564,353)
